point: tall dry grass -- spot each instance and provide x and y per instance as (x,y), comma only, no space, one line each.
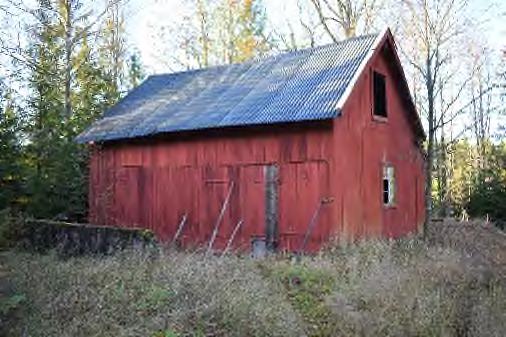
(373,288)
(138,294)
(397,288)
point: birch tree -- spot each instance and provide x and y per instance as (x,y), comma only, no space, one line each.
(112,48)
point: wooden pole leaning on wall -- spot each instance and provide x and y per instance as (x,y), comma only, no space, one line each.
(313,222)
(220,217)
(232,237)
(179,229)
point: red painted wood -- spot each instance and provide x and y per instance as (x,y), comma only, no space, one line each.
(152,183)
(376,142)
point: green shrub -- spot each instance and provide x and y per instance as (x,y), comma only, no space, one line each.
(307,287)
(11,227)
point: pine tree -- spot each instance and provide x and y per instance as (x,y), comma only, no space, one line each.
(135,71)
(488,193)
(67,93)
(47,106)
(10,151)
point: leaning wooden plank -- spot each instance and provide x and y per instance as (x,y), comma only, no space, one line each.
(313,222)
(179,229)
(231,239)
(220,217)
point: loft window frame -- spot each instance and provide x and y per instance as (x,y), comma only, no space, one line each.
(378,117)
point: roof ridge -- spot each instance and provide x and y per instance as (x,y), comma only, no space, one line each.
(266,57)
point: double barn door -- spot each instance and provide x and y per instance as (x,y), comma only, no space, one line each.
(275,202)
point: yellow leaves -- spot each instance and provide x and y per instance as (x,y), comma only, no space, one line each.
(246,48)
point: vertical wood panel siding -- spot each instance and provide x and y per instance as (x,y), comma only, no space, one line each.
(152,183)
(193,177)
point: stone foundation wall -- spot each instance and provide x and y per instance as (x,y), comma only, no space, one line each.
(71,239)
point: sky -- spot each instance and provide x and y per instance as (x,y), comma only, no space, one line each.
(146,17)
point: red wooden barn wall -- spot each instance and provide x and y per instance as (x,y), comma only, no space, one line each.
(372,143)
(152,183)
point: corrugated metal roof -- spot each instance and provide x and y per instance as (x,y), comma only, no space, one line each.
(296,86)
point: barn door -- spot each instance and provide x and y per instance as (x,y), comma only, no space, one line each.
(303,187)
(251,205)
(257,206)
(218,183)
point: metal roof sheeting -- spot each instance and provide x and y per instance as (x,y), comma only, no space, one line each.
(296,86)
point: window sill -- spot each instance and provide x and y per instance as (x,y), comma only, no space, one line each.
(380,119)
(392,206)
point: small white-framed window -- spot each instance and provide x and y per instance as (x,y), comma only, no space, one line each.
(388,185)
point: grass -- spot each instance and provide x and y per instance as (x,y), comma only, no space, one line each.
(401,288)
(138,294)
(374,288)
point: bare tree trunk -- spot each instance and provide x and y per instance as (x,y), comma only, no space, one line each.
(68,55)
(433,28)
(349,16)
(230,33)
(443,176)
(204,34)
(443,164)
(430,146)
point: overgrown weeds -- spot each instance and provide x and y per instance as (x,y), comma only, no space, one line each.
(394,288)
(138,294)
(373,288)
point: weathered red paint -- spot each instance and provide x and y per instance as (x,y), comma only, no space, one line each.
(153,182)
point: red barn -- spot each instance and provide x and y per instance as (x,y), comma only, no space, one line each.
(299,147)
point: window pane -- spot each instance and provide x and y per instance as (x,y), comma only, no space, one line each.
(385,191)
(388,185)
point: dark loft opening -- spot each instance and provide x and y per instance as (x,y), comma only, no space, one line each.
(380,98)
